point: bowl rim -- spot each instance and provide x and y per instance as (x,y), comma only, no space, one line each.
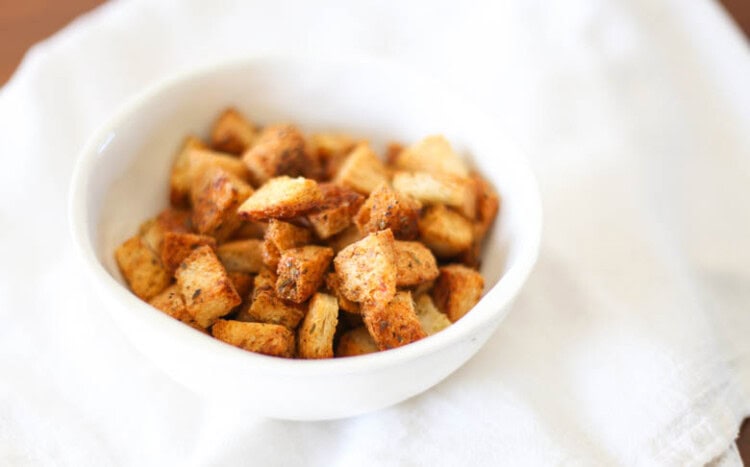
(497,298)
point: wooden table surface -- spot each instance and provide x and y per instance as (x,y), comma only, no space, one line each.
(22,23)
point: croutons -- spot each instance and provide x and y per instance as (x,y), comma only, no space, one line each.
(394,324)
(315,335)
(170,302)
(345,238)
(331,149)
(335,212)
(386,208)
(301,271)
(278,150)
(216,194)
(232,132)
(169,220)
(367,269)
(431,319)
(432,188)
(208,292)
(282,198)
(392,152)
(357,341)
(250,229)
(488,205)
(180,178)
(457,290)
(268,307)
(201,160)
(141,268)
(333,284)
(281,236)
(268,339)
(415,264)
(242,255)
(362,170)
(178,246)
(243,283)
(445,232)
(432,154)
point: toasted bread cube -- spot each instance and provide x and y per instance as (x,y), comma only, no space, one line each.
(201,160)
(445,232)
(432,154)
(392,152)
(268,307)
(431,188)
(357,341)
(423,288)
(216,194)
(386,208)
(315,334)
(170,302)
(242,255)
(362,170)
(367,269)
(250,229)
(169,220)
(278,150)
(333,284)
(488,205)
(282,198)
(180,178)
(282,236)
(394,324)
(336,211)
(205,286)
(232,132)
(415,264)
(301,271)
(178,246)
(141,268)
(431,319)
(243,284)
(331,149)
(457,290)
(267,339)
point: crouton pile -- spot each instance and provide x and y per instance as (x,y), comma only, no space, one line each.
(313,247)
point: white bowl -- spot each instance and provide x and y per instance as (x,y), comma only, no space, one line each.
(121,179)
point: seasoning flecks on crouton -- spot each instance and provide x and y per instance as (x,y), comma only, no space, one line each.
(435,188)
(362,170)
(267,339)
(170,302)
(169,220)
(216,194)
(394,324)
(301,271)
(457,290)
(367,269)
(357,341)
(445,232)
(278,150)
(268,307)
(242,255)
(232,132)
(315,334)
(415,264)
(333,284)
(281,236)
(335,212)
(431,319)
(386,208)
(180,177)
(432,154)
(178,246)
(282,198)
(141,268)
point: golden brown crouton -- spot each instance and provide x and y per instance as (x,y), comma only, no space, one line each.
(169,220)
(362,170)
(250,229)
(415,264)
(394,324)
(331,149)
(141,268)
(336,211)
(315,334)
(243,284)
(282,198)
(232,132)
(388,209)
(178,246)
(282,236)
(242,255)
(201,160)
(268,339)
(358,341)
(216,194)
(278,150)
(367,269)
(488,205)
(457,290)
(345,238)
(445,232)
(170,302)
(180,180)
(301,271)
(334,287)
(431,319)
(431,188)
(207,290)
(432,154)
(268,307)
(392,152)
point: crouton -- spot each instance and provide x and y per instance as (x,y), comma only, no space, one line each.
(386,208)
(445,232)
(178,246)
(335,213)
(431,188)
(282,236)
(201,160)
(345,238)
(315,334)
(170,302)
(358,341)
(367,269)
(141,268)
(488,205)
(423,288)
(392,152)
(216,194)
(207,290)
(268,307)
(333,285)
(232,132)
(394,324)
(432,154)
(362,170)
(179,179)
(457,290)
(267,339)
(250,229)
(169,220)
(242,255)
(278,150)
(431,319)
(282,198)
(301,271)
(243,284)
(331,149)
(415,264)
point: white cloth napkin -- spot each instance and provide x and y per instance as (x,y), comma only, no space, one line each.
(628,346)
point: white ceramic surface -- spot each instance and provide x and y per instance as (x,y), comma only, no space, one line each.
(121,179)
